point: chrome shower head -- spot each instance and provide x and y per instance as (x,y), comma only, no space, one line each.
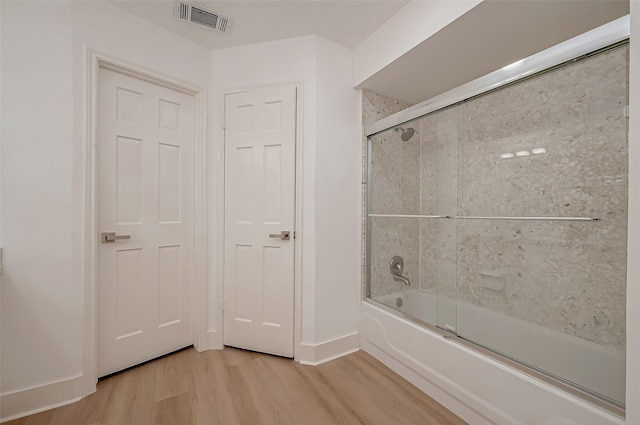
(406,133)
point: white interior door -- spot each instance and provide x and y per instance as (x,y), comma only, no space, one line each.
(145,197)
(260,135)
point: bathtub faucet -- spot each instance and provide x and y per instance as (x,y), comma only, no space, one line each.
(395,267)
(400,278)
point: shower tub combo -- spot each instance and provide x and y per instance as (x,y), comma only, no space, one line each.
(496,239)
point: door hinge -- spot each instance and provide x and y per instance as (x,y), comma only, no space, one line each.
(294,234)
(626,111)
(0,260)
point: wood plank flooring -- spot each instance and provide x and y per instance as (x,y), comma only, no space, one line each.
(237,387)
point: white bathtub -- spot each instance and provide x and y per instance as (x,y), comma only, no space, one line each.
(478,388)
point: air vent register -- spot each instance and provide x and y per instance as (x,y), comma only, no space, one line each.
(199,15)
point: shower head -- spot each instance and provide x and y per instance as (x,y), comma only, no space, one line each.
(406,133)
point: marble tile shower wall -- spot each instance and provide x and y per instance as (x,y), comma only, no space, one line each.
(568,276)
(395,189)
(438,196)
(468,160)
(375,107)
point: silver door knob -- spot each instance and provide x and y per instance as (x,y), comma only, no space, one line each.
(108,237)
(285,235)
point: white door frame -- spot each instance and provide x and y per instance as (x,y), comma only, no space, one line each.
(220,222)
(95,62)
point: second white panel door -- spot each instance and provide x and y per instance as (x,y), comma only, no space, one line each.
(260,135)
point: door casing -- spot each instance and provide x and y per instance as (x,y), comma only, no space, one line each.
(91,238)
(298,228)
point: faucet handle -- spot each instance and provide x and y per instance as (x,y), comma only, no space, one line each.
(396,266)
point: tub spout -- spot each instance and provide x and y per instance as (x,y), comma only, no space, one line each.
(400,278)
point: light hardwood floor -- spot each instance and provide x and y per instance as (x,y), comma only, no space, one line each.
(237,387)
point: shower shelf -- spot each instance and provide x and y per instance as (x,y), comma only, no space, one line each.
(470,217)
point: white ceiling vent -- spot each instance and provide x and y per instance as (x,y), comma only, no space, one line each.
(200,15)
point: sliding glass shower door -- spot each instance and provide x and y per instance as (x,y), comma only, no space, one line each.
(502,219)
(542,197)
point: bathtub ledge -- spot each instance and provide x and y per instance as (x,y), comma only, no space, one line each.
(477,388)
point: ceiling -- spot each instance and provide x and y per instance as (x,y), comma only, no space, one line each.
(254,21)
(493,34)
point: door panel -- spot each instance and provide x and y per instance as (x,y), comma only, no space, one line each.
(145,190)
(260,201)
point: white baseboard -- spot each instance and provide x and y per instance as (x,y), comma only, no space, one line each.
(33,400)
(210,341)
(315,354)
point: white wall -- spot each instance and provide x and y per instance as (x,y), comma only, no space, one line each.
(47,342)
(338,194)
(633,247)
(328,222)
(41,321)
(45,355)
(413,24)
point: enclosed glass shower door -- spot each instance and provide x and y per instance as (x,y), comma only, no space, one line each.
(542,196)
(509,213)
(411,199)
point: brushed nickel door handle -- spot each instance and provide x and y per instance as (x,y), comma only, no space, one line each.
(285,235)
(108,237)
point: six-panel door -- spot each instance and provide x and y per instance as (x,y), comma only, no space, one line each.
(145,190)
(260,134)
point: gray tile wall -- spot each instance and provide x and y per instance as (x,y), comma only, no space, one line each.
(438,196)
(375,107)
(568,276)
(564,275)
